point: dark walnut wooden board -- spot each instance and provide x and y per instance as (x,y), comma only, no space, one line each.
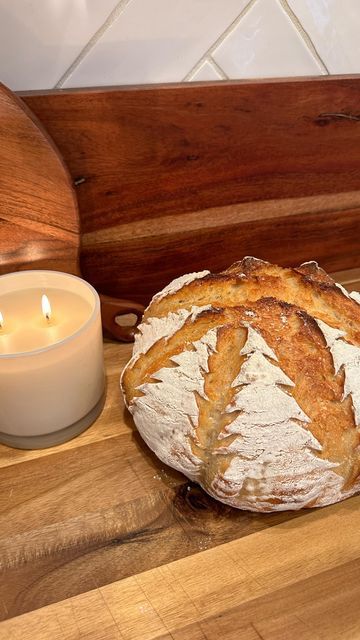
(39,216)
(179,178)
(99,541)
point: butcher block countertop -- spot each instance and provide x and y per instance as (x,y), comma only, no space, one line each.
(99,541)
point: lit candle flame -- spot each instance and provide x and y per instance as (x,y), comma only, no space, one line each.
(1,320)
(46,307)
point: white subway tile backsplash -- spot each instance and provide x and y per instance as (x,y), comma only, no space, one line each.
(70,43)
(39,39)
(265,43)
(155,41)
(334,27)
(207,71)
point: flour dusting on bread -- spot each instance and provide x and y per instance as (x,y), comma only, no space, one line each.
(342,289)
(271,440)
(157,328)
(248,382)
(169,402)
(355,295)
(179,283)
(346,356)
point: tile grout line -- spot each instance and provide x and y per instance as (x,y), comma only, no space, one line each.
(189,76)
(304,34)
(215,66)
(207,56)
(208,53)
(112,17)
(219,69)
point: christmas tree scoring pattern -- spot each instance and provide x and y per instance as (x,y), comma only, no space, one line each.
(271,444)
(346,356)
(170,403)
(265,454)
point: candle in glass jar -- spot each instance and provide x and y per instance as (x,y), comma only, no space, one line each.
(51,358)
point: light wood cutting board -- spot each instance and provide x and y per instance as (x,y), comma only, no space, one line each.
(99,541)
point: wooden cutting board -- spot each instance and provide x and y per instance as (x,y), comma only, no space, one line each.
(192,176)
(99,541)
(39,217)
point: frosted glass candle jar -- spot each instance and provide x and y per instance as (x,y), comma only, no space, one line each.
(51,358)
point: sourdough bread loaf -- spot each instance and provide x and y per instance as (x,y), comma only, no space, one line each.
(248,382)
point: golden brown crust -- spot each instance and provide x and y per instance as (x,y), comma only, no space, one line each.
(308,287)
(282,304)
(248,266)
(300,347)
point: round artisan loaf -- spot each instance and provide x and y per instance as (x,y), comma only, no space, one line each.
(248,382)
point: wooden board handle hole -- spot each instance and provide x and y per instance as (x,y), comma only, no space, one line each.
(120,317)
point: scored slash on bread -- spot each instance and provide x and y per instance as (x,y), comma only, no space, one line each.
(307,286)
(284,438)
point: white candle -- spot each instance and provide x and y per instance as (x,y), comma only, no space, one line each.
(51,358)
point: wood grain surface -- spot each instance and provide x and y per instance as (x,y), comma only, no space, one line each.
(99,541)
(178,178)
(39,218)
(297,580)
